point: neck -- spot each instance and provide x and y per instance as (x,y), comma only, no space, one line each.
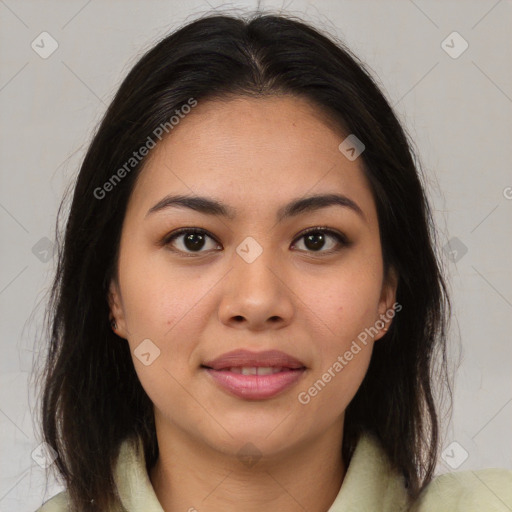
(189,476)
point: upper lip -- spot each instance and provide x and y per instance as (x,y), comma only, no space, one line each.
(248,359)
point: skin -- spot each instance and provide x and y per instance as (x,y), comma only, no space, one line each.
(255,155)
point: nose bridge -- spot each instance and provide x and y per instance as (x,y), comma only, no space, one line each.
(252,272)
(254,292)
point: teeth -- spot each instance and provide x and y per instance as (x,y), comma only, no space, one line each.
(260,370)
(267,370)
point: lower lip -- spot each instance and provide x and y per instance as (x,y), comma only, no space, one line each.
(255,387)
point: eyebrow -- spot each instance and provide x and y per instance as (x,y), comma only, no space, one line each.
(296,207)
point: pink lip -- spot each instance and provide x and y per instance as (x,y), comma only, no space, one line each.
(255,387)
(240,358)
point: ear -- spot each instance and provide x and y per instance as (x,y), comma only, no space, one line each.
(116,309)
(387,303)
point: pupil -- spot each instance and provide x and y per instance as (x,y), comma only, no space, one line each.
(194,241)
(314,241)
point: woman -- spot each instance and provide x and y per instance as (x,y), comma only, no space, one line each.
(249,304)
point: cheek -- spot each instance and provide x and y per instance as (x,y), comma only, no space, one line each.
(156,295)
(343,354)
(344,302)
(347,303)
(169,308)
(330,389)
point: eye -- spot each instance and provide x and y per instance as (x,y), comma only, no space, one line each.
(316,238)
(194,240)
(190,240)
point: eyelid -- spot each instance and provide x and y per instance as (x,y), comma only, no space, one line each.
(181,231)
(340,237)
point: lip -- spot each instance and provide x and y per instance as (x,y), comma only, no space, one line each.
(240,358)
(255,387)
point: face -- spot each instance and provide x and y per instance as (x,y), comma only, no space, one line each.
(250,277)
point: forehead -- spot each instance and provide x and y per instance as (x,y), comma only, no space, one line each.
(252,151)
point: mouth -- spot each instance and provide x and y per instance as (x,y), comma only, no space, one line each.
(254,376)
(256,370)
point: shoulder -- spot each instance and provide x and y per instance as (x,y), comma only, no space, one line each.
(485,489)
(59,503)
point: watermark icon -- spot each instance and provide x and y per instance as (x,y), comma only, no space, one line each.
(143,151)
(44,45)
(146,352)
(507,192)
(351,147)
(249,249)
(455,249)
(43,249)
(304,397)
(44,455)
(454,45)
(249,455)
(454,455)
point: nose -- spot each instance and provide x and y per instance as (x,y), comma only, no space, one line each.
(256,295)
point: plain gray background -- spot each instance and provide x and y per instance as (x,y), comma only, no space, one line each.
(457,108)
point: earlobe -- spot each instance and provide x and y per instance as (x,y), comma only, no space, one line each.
(389,288)
(116,316)
(387,302)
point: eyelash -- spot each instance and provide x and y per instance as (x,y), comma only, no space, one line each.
(339,237)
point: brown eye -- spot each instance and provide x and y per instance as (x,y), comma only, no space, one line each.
(196,240)
(191,240)
(318,239)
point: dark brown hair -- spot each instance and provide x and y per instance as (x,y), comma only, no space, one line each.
(91,397)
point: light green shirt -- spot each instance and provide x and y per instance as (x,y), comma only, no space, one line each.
(370,485)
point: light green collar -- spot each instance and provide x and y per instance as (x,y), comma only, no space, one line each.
(369,485)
